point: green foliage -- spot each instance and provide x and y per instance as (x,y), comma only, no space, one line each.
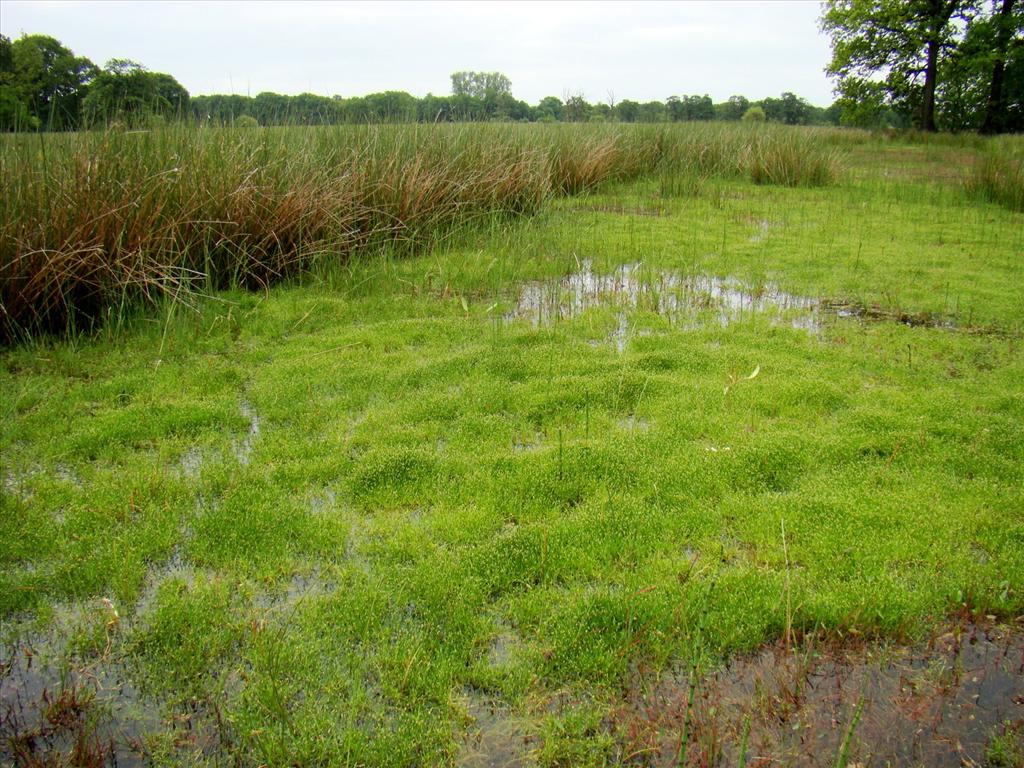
(733,109)
(49,80)
(992,41)
(1005,748)
(481,85)
(754,114)
(126,92)
(898,40)
(951,64)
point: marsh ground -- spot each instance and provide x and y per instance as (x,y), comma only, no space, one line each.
(464,507)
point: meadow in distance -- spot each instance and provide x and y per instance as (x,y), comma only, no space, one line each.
(511,444)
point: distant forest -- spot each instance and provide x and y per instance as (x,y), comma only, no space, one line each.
(44,85)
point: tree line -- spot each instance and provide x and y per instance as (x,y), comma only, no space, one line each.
(44,85)
(931,64)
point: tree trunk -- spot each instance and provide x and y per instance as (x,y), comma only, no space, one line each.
(939,14)
(996,107)
(928,97)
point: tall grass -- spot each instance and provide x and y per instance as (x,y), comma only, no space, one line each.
(763,154)
(94,221)
(998,176)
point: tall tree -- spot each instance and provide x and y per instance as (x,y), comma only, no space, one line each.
(126,90)
(1007,29)
(902,42)
(50,80)
(481,85)
(551,108)
(13,109)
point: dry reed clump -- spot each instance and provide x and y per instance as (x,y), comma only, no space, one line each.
(93,223)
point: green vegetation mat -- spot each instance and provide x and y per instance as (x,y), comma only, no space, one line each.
(446,509)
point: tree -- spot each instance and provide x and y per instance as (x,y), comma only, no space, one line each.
(550,107)
(126,91)
(899,43)
(577,110)
(49,80)
(795,111)
(480,85)
(13,109)
(652,112)
(627,111)
(699,107)
(434,109)
(674,108)
(733,109)
(271,108)
(1008,28)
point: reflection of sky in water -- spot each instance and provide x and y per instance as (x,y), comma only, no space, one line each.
(674,296)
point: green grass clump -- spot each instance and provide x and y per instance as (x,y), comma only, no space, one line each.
(791,159)
(764,154)
(337,518)
(999,174)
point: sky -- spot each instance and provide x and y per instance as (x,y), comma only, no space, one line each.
(607,51)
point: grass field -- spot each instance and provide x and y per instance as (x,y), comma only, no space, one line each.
(469,498)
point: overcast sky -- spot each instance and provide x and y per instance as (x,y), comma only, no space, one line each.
(633,50)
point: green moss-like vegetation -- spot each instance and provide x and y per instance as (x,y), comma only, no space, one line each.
(335,516)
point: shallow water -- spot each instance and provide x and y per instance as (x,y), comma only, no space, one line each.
(688,301)
(49,709)
(494,737)
(243,449)
(682,299)
(933,705)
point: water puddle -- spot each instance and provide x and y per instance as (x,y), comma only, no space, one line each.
(623,210)
(525,444)
(762,231)
(687,301)
(354,553)
(59,707)
(175,568)
(19,482)
(631,286)
(51,715)
(938,704)
(324,502)
(494,737)
(505,645)
(301,587)
(860,311)
(191,463)
(632,424)
(243,449)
